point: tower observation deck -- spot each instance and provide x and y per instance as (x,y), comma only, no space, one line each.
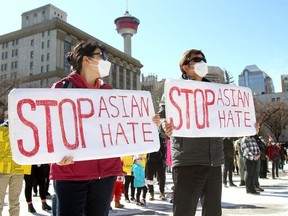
(127,26)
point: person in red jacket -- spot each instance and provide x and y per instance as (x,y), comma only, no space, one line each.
(85,187)
(273,153)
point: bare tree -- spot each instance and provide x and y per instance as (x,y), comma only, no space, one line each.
(228,77)
(5,87)
(273,116)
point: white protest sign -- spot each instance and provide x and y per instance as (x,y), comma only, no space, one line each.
(204,109)
(47,124)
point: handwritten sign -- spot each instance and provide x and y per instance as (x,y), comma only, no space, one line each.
(203,109)
(47,124)
(7,165)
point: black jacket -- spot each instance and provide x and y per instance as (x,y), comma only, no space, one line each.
(194,151)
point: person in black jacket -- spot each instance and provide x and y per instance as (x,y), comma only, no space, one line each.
(229,157)
(156,165)
(196,162)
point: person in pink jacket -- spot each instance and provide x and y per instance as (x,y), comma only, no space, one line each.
(85,187)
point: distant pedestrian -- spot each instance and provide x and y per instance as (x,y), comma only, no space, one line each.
(229,158)
(274,156)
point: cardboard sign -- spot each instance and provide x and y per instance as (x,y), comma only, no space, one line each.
(48,124)
(7,165)
(203,109)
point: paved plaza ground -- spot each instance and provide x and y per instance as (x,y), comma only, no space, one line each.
(235,201)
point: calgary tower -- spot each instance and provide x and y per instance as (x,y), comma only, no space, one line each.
(127,25)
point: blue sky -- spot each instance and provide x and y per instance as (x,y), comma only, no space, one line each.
(232,34)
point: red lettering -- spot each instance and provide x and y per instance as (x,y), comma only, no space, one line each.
(222,118)
(81,116)
(146,132)
(47,104)
(134,104)
(29,124)
(238,117)
(230,118)
(113,105)
(227,97)
(133,130)
(177,107)
(208,103)
(200,126)
(106,134)
(246,119)
(74,115)
(103,107)
(220,98)
(123,104)
(187,92)
(145,105)
(120,131)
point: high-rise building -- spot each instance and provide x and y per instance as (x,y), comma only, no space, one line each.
(35,55)
(257,80)
(284,82)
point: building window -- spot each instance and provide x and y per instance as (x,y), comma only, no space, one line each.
(128,80)
(48,56)
(31,65)
(121,77)
(134,81)
(42,69)
(14,75)
(278,99)
(47,68)
(32,42)
(12,54)
(42,45)
(42,58)
(114,77)
(16,52)
(48,32)
(273,99)
(16,64)
(43,34)
(48,43)
(31,54)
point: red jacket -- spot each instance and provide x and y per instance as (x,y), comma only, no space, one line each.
(90,169)
(273,153)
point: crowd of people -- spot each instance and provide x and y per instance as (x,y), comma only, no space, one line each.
(200,166)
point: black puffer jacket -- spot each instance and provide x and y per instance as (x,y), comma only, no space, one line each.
(194,151)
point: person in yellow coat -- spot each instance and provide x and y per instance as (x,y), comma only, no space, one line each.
(129,178)
(11,174)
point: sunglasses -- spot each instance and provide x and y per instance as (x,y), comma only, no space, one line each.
(196,59)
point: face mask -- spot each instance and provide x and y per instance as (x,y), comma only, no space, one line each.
(138,161)
(103,67)
(201,69)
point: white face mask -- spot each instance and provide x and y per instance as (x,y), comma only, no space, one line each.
(138,161)
(103,67)
(201,69)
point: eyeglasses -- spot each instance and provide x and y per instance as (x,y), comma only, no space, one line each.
(196,59)
(102,54)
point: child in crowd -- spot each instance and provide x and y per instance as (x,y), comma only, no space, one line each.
(139,180)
